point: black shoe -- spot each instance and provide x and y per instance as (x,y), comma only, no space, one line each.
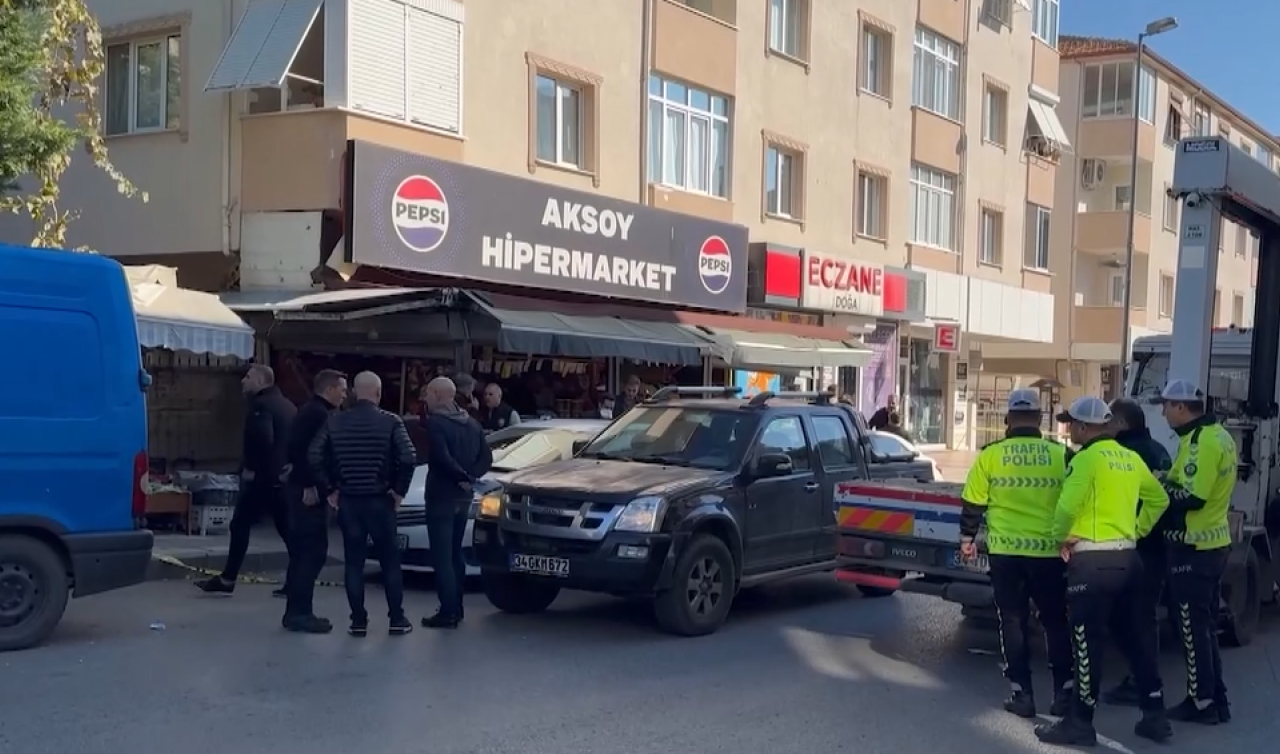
(1224,709)
(1188,712)
(440,620)
(1154,726)
(1124,695)
(359,628)
(216,585)
(1068,732)
(400,626)
(307,624)
(1021,704)
(281,593)
(1062,700)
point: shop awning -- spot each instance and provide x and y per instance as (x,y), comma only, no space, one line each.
(535,326)
(262,47)
(184,320)
(340,305)
(764,351)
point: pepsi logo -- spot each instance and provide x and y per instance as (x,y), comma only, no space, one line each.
(420,213)
(715,265)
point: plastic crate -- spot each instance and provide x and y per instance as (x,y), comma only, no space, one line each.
(216,498)
(211,519)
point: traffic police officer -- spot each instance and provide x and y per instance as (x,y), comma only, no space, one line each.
(1097,525)
(1199,486)
(1015,484)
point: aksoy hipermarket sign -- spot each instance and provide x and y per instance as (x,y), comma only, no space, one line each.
(415,213)
(840,284)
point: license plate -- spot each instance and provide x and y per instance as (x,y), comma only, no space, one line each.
(979,564)
(542,565)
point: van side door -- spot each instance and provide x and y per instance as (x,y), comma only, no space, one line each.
(836,447)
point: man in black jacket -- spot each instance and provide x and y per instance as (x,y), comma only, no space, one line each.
(880,419)
(266,440)
(1130,427)
(495,413)
(362,462)
(308,516)
(457,456)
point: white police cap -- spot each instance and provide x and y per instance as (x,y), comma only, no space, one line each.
(1181,390)
(1024,399)
(1087,410)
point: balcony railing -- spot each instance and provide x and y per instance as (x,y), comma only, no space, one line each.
(1103,324)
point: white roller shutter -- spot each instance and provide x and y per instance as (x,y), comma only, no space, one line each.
(377,57)
(435,70)
(262,47)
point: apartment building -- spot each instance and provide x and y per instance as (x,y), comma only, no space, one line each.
(1099,95)
(893,164)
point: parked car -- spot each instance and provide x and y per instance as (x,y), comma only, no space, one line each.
(534,442)
(895,446)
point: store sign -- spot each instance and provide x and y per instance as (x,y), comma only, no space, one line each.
(946,338)
(904,294)
(411,212)
(844,285)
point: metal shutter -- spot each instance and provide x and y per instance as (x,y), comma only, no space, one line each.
(263,45)
(434,63)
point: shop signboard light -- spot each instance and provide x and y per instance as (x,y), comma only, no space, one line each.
(946,338)
(839,284)
(411,212)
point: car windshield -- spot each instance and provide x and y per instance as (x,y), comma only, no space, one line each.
(534,447)
(1153,372)
(682,436)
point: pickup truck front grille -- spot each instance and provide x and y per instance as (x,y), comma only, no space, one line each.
(559,517)
(534,545)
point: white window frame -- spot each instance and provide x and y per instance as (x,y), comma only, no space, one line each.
(1123,198)
(691,112)
(1173,125)
(872,217)
(133,45)
(781,159)
(1140,93)
(1237,309)
(1242,243)
(933,208)
(563,91)
(1147,95)
(1201,120)
(1115,288)
(1044,21)
(1165,302)
(876,75)
(785,19)
(1170,210)
(938,56)
(990,237)
(1263,154)
(995,115)
(1037,253)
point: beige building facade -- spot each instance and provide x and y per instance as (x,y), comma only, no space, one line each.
(915,142)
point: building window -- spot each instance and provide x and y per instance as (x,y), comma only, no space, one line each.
(688,138)
(872,206)
(1044,21)
(1237,310)
(1200,120)
(787,22)
(783,176)
(999,11)
(1264,156)
(559,122)
(1123,196)
(991,237)
(995,115)
(143,85)
(1116,288)
(1166,295)
(1217,307)
(876,76)
(1037,250)
(1254,244)
(1147,95)
(1108,91)
(1246,147)
(1224,129)
(933,207)
(1170,209)
(1173,125)
(935,81)
(1242,242)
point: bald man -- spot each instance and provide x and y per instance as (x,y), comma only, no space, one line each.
(362,462)
(262,475)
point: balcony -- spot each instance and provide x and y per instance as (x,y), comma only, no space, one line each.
(1103,324)
(1104,233)
(1102,211)
(697,40)
(1112,137)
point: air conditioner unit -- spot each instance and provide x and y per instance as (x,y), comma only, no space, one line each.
(1092,173)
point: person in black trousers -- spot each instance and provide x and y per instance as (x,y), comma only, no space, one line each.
(308,515)
(458,456)
(266,440)
(362,462)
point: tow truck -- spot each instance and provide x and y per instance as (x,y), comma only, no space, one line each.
(903,536)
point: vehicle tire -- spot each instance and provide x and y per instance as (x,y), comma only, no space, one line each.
(516,595)
(33,591)
(703,587)
(1243,605)
(875,591)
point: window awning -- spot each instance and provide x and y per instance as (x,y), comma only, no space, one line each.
(765,351)
(184,320)
(262,47)
(553,329)
(1045,115)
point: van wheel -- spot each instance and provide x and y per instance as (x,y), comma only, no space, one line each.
(703,588)
(33,591)
(1244,605)
(517,595)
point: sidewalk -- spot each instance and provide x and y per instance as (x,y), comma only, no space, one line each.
(954,464)
(267,553)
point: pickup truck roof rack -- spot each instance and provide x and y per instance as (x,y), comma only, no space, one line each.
(763,399)
(718,391)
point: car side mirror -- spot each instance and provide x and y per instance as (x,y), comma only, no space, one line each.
(773,465)
(579,446)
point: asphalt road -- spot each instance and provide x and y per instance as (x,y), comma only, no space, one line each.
(802,667)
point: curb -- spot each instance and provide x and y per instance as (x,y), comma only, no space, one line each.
(167,567)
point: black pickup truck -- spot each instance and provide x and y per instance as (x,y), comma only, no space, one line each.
(686,499)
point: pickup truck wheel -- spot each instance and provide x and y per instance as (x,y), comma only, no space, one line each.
(703,588)
(1244,605)
(33,591)
(517,595)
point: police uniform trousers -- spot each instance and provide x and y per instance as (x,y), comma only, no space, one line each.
(1195,584)
(1017,582)
(1101,583)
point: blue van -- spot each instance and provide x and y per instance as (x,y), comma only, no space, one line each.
(73,437)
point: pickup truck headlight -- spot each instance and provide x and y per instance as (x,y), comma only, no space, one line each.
(641,515)
(490,506)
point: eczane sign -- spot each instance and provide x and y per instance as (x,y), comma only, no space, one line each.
(839,284)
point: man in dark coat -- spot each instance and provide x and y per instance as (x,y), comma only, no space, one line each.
(1130,427)
(495,413)
(308,515)
(880,419)
(457,456)
(262,474)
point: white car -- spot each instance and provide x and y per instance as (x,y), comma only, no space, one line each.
(889,444)
(537,441)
